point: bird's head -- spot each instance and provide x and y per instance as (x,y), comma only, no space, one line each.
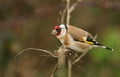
(60,30)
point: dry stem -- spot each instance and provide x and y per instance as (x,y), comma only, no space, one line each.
(68,22)
(68,12)
(62,13)
(79,58)
(54,70)
(74,5)
(69,68)
(37,49)
(61,59)
(69,9)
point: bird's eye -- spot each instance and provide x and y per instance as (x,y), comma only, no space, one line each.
(58,30)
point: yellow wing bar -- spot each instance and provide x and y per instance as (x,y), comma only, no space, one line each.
(88,42)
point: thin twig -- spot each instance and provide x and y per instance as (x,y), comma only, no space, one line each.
(67,23)
(37,49)
(54,70)
(61,59)
(61,55)
(74,5)
(69,68)
(63,16)
(79,67)
(79,58)
(68,12)
(45,56)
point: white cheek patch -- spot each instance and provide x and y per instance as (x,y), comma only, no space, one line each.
(63,32)
(62,26)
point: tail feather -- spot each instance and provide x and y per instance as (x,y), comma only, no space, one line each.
(108,48)
(94,42)
(103,46)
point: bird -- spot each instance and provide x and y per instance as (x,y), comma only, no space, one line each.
(76,38)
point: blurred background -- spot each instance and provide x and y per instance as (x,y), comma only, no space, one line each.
(28,23)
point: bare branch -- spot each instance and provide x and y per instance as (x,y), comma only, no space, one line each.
(62,51)
(96,36)
(69,68)
(79,67)
(37,49)
(61,59)
(74,5)
(79,58)
(62,13)
(67,23)
(54,70)
(68,12)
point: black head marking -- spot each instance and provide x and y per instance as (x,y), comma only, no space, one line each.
(66,27)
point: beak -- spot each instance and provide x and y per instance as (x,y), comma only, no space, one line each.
(54,32)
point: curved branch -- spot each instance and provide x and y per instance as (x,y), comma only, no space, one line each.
(37,49)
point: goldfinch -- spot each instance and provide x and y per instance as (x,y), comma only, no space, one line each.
(76,38)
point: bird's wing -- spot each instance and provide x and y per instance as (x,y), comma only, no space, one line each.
(81,35)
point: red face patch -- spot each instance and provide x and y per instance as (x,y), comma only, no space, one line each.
(57,27)
(58,30)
